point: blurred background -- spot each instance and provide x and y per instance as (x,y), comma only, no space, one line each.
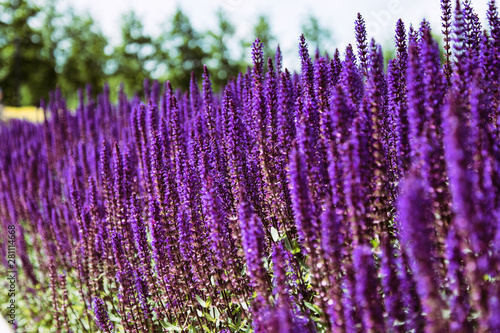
(69,43)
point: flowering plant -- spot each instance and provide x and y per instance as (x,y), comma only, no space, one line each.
(345,198)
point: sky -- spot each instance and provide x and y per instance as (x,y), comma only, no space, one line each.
(286,17)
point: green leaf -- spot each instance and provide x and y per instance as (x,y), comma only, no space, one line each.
(302,264)
(313,307)
(288,246)
(295,247)
(106,288)
(216,313)
(249,329)
(201,301)
(170,327)
(97,278)
(235,310)
(209,301)
(114,318)
(275,234)
(209,317)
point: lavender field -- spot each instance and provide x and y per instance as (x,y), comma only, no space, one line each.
(359,195)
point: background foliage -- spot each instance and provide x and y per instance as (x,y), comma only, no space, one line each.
(42,47)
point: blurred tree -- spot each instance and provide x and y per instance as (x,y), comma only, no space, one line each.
(318,37)
(182,47)
(135,58)
(84,60)
(27,71)
(52,30)
(41,47)
(221,63)
(262,30)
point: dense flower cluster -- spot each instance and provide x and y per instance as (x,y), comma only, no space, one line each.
(345,198)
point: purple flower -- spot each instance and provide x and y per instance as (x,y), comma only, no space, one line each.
(336,67)
(101,315)
(253,242)
(350,79)
(391,286)
(459,299)
(446,22)
(142,291)
(362,43)
(367,285)
(416,230)
(303,208)
(460,64)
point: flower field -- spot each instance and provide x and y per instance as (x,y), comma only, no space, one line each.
(355,196)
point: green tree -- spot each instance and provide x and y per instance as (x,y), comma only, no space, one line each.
(182,46)
(221,63)
(262,30)
(27,71)
(136,56)
(52,29)
(84,60)
(319,38)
